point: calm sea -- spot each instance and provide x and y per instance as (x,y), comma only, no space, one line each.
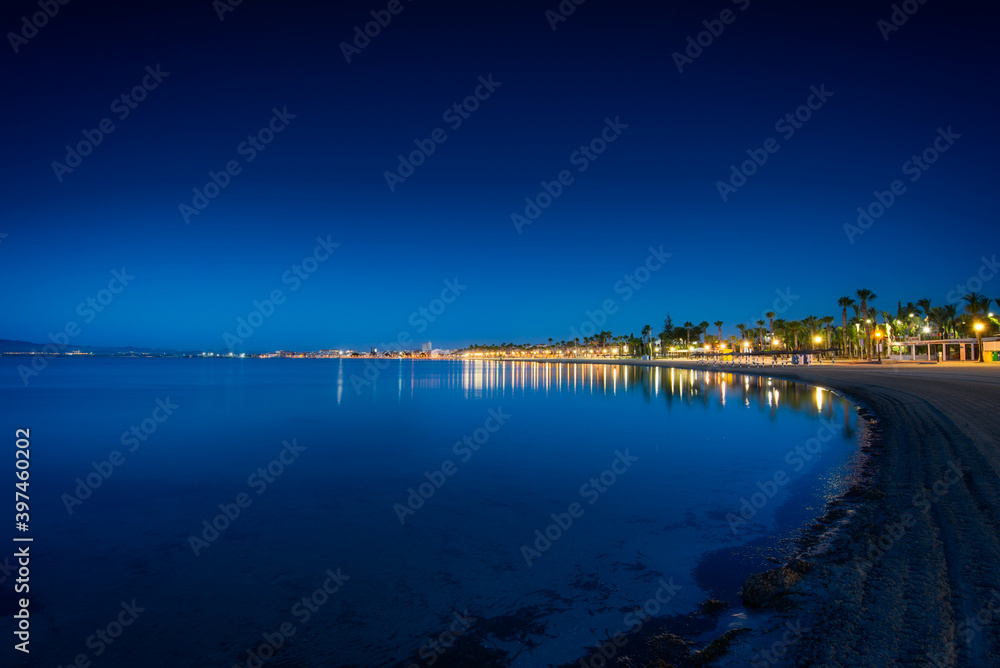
(213,512)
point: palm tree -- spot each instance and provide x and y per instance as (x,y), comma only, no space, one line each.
(925,310)
(937,317)
(827,320)
(811,321)
(743,332)
(844,302)
(780,331)
(687,326)
(646,330)
(950,317)
(854,331)
(760,327)
(770,322)
(718,323)
(887,321)
(703,326)
(976,305)
(794,326)
(866,296)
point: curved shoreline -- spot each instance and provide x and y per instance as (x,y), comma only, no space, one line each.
(907,570)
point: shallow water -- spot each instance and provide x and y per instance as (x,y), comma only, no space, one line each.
(645,470)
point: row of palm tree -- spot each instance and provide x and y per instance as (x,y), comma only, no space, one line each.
(859,323)
(918,319)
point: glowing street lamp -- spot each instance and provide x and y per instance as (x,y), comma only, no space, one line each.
(979,338)
(878,338)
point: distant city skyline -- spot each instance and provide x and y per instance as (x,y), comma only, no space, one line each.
(264,176)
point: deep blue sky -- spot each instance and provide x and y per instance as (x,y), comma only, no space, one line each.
(324,174)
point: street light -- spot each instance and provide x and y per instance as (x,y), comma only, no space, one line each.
(979,338)
(878,346)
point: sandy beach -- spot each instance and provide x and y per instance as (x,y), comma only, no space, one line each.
(905,570)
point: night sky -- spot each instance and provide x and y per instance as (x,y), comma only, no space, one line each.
(632,151)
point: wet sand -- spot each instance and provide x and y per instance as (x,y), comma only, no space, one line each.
(906,571)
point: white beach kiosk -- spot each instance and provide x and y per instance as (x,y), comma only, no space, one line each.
(942,350)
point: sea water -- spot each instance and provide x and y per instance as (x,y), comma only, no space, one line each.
(291,512)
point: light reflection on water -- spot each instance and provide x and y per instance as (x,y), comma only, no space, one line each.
(703,439)
(485,379)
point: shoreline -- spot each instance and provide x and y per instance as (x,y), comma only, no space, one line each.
(905,568)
